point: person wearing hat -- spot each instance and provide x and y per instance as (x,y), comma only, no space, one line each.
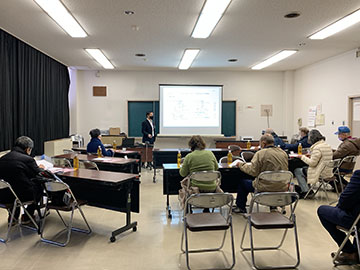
(348,147)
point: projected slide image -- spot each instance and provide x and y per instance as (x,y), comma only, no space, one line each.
(191,107)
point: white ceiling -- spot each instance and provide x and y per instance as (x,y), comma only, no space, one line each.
(250,30)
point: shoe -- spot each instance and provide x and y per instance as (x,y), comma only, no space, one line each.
(346,258)
(238,210)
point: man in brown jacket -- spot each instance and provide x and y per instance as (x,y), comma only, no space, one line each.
(348,147)
(269,158)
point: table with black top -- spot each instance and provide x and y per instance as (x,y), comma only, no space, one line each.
(161,156)
(113,164)
(230,178)
(110,190)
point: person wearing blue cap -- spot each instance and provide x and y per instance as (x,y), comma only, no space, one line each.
(348,147)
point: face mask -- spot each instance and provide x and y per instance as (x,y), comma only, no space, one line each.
(151,117)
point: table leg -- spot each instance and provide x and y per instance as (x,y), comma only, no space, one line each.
(168,208)
(128,225)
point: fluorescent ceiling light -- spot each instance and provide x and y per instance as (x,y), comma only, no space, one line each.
(100,58)
(188,57)
(338,26)
(274,59)
(210,15)
(56,10)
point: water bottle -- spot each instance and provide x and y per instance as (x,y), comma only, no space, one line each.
(114,145)
(76,162)
(99,152)
(178,159)
(229,158)
(299,149)
(248,145)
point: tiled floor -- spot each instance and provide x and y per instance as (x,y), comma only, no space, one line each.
(156,244)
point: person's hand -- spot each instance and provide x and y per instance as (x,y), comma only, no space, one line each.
(42,166)
(299,155)
(150,136)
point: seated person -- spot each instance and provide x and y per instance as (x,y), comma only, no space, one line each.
(19,169)
(95,142)
(348,147)
(344,215)
(321,154)
(199,160)
(303,140)
(277,140)
(269,158)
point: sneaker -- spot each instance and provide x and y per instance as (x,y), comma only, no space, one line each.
(238,210)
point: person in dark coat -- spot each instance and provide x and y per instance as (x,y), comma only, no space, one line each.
(19,169)
(343,215)
(148,129)
(95,142)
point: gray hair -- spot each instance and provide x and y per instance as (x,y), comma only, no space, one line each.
(24,142)
(315,136)
(268,139)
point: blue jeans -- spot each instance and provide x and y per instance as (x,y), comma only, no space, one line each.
(301,178)
(244,188)
(331,217)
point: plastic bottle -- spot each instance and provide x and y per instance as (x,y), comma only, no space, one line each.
(76,162)
(299,149)
(114,145)
(229,158)
(99,152)
(178,159)
(248,145)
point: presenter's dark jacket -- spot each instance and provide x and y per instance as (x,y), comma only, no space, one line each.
(146,130)
(349,200)
(18,169)
(93,146)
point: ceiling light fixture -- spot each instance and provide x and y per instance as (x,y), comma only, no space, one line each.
(58,12)
(188,57)
(209,17)
(274,59)
(98,55)
(338,26)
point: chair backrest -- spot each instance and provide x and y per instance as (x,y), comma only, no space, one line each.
(77,139)
(275,181)
(55,185)
(68,151)
(210,200)
(205,176)
(87,164)
(275,199)
(333,164)
(247,156)
(62,162)
(4,184)
(350,162)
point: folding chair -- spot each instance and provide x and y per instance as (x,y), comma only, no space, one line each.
(11,208)
(199,222)
(62,162)
(349,160)
(272,220)
(247,156)
(87,164)
(353,231)
(225,159)
(332,164)
(70,205)
(235,150)
(68,151)
(205,177)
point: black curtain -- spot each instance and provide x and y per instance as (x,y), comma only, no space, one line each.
(33,95)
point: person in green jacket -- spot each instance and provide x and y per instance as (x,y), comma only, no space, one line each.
(199,160)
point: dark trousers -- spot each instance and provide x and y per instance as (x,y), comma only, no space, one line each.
(331,217)
(244,188)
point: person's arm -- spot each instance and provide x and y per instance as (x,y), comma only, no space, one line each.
(105,152)
(144,129)
(351,193)
(252,168)
(314,159)
(215,162)
(341,152)
(184,170)
(278,140)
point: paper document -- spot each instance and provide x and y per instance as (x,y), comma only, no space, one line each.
(101,159)
(235,163)
(47,165)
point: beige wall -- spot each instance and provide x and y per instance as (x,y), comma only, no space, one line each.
(329,83)
(250,89)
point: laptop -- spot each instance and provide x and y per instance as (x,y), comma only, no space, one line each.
(128,142)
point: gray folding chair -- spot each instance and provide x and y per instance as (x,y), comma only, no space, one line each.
(349,160)
(68,151)
(247,155)
(352,231)
(225,159)
(200,222)
(70,205)
(11,208)
(205,177)
(61,162)
(272,220)
(87,164)
(332,164)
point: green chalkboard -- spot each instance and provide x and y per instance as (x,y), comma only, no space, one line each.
(137,111)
